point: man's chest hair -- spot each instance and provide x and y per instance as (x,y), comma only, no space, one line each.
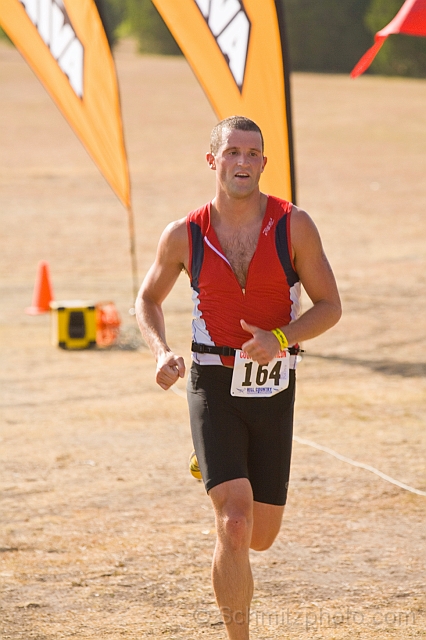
(239,249)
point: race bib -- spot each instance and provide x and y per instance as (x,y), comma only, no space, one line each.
(253,380)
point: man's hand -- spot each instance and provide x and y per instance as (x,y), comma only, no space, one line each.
(170,368)
(263,347)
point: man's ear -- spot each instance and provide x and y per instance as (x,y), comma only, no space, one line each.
(211,161)
(265,160)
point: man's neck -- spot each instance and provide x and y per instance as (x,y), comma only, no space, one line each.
(238,211)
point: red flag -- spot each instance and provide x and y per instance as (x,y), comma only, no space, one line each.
(410,20)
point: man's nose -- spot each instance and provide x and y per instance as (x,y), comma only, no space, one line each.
(244,159)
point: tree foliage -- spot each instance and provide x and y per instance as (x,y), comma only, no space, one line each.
(112,14)
(4,36)
(140,19)
(326,35)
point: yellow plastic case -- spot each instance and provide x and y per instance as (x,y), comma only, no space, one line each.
(73,324)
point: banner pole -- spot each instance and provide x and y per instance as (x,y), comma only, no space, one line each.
(135,278)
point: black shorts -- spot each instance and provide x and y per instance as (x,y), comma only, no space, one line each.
(238,437)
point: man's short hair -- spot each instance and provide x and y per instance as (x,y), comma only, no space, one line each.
(229,124)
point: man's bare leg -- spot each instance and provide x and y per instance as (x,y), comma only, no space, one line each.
(241,523)
(231,572)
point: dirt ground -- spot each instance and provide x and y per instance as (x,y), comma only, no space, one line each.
(104,534)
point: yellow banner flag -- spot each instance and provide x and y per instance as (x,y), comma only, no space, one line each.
(236,49)
(65,44)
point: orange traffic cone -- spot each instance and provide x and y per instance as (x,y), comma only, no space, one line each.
(43,293)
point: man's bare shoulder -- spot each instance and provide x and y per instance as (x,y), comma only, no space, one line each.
(173,245)
(175,230)
(302,226)
(299,217)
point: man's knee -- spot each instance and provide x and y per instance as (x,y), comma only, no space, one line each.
(235,528)
(233,503)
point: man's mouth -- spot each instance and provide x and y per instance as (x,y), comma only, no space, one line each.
(241,175)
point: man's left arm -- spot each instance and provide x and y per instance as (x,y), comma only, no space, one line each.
(318,280)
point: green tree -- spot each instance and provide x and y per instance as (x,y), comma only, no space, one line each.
(400,55)
(4,36)
(112,13)
(143,21)
(326,35)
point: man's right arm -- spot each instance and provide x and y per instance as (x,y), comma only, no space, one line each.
(171,258)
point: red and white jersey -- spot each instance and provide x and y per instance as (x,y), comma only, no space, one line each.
(271,297)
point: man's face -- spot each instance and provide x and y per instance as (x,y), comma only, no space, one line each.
(239,162)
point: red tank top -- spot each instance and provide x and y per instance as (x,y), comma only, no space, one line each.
(271,297)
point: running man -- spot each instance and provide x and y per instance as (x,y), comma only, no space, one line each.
(246,254)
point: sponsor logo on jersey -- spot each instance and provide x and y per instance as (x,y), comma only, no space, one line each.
(268,227)
(230,27)
(53,24)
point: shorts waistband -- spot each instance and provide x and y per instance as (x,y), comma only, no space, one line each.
(196,347)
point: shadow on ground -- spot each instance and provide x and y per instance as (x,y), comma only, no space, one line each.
(387,367)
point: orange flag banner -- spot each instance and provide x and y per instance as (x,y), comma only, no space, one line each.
(410,20)
(236,49)
(65,44)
